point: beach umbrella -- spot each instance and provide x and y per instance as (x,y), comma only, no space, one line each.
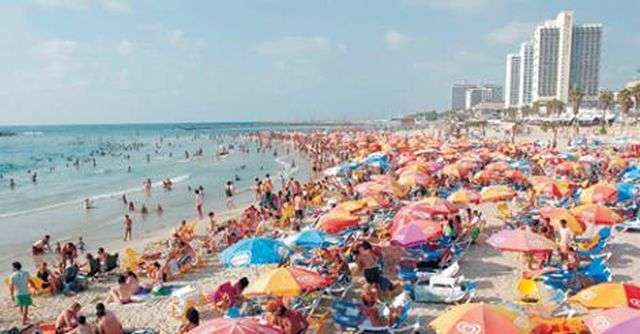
(552,189)
(558,214)
(452,170)
(480,318)
(497,193)
(626,191)
(499,167)
(464,196)
(336,221)
(621,320)
(416,232)
(253,252)
(567,167)
(351,206)
(439,205)
(235,326)
(520,241)
(538,179)
(601,193)
(609,295)
(312,238)
(286,282)
(596,214)
(485,176)
(413,179)
(514,175)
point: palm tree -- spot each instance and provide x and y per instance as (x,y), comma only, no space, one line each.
(555,107)
(635,92)
(624,99)
(535,107)
(576,96)
(606,100)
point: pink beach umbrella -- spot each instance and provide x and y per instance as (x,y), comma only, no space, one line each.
(622,320)
(415,233)
(520,241)
(235,326)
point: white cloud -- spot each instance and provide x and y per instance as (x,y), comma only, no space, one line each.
(395,40)
(57,55)
(513,32)
(295,46)
(176,37)
(118,6)
(125,47)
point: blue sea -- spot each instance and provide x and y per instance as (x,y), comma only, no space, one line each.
(62,157)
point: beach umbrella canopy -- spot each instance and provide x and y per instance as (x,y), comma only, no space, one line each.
(312,238)
(286,282)
(497,193)
(486,176)
(351,206)
(553,189)
(567,167)
(416,232)
(520,241)
(596,214)
(254,251)
(464,196)
(613,321)
(601,193)
(499,167)
(235,326)
(336,221)
(537,179)
(413,179)
(558,214)
(480,318)
(626,191)
(609,295)
(439,205)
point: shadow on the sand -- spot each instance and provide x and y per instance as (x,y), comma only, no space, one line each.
(623,254)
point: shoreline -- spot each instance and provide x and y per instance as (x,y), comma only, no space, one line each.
(147,230)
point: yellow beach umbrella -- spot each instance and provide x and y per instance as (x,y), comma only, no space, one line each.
(609,295)
(286,282)
(497,193)
(464,196)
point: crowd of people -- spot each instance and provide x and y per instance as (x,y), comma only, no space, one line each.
(365,187)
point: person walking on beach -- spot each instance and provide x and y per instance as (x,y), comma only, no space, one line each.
(199,203)
(128,226)
(229,191)
(19,283)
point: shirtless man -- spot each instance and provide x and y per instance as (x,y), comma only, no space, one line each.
(107,322)
(120,293)
(128,227)
(67,321)
(39,248)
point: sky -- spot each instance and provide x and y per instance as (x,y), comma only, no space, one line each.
(129,61)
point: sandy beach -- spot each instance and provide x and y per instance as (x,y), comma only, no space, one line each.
(495,273)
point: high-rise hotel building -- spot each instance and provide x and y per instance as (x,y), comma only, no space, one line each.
(560,56)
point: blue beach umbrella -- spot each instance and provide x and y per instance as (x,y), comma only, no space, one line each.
(312,238)
(254,252)
(626,191)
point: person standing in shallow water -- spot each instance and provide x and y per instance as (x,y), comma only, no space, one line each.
(128,227)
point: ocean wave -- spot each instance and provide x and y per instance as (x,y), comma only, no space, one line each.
(115,194)
(32,133)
